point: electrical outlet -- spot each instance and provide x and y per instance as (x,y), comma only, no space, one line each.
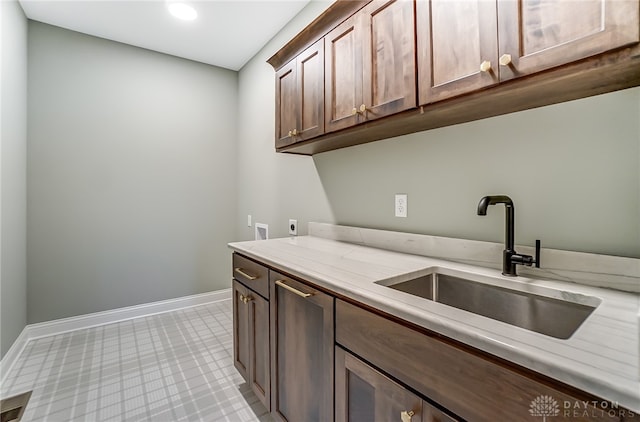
(249,220)
(293,227)
(401,205)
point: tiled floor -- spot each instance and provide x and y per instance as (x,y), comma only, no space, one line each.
(175,366)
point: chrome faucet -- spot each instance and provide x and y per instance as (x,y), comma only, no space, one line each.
(509,256)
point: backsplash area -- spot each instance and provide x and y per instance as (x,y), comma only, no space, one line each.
(606,271)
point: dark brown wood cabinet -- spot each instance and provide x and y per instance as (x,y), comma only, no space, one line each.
(302,345)
(300,97)
(315,358)
(467,45)
(370,64)
(363,394)
(457,47)
(251,326)
(469,384)
(457,60)
(534,35)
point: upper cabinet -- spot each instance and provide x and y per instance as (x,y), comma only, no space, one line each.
(457,47)
(300,97)
(370,66)
(424,64)
(465,45)
(535,35)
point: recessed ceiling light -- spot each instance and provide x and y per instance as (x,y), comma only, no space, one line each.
(182,11)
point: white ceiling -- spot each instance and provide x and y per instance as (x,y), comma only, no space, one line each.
(227,33)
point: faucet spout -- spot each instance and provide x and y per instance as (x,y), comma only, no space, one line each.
(510,257)
(493,200)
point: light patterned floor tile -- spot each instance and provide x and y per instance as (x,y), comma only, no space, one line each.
(175,366)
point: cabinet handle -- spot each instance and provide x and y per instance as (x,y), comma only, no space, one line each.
(292,290)
(242,273)
(505,60)
(485,66)
(245,299)
(360,110)
(406,416)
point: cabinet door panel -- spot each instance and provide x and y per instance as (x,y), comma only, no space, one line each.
(259,348)
(286,104)
(343,72)
(311,95)
(540,35)
(365,395)
(302,353)
(241,345)
(389,57)
(454,37)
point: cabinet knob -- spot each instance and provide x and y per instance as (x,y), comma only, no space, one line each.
(505,60)
(485,66)
(363,108)
(294,132)
(245,299)
(354,111)
(290,133)
(406,416)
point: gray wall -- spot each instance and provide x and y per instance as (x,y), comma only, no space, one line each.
(13,176)
(573,171)
(130,175)
(273,187)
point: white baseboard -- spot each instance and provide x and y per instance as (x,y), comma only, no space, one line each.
(64,325)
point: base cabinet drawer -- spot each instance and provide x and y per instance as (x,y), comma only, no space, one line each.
(363,394)
(468,383)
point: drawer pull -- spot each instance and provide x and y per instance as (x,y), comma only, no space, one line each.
(242,273)
(406,416)
(292,290)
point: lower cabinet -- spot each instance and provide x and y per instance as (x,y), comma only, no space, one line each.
(365,395)
(251,340)
(302,344)
(310,357)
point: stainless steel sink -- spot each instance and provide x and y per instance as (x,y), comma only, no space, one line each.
(552,316)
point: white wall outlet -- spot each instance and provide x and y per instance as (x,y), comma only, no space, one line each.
(293,227)
(401,205)
(262,231)
(249,220)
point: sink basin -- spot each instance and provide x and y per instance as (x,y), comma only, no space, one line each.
(552,316)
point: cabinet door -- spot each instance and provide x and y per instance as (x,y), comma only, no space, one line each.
(542,34)
(241,358)
(455,40)
(251,340)
(286,104)
(343,75)
(259,368)
(389,57)
(302,352)
(365,395)
(310,69)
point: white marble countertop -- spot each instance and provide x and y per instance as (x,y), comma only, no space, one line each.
(602,357)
